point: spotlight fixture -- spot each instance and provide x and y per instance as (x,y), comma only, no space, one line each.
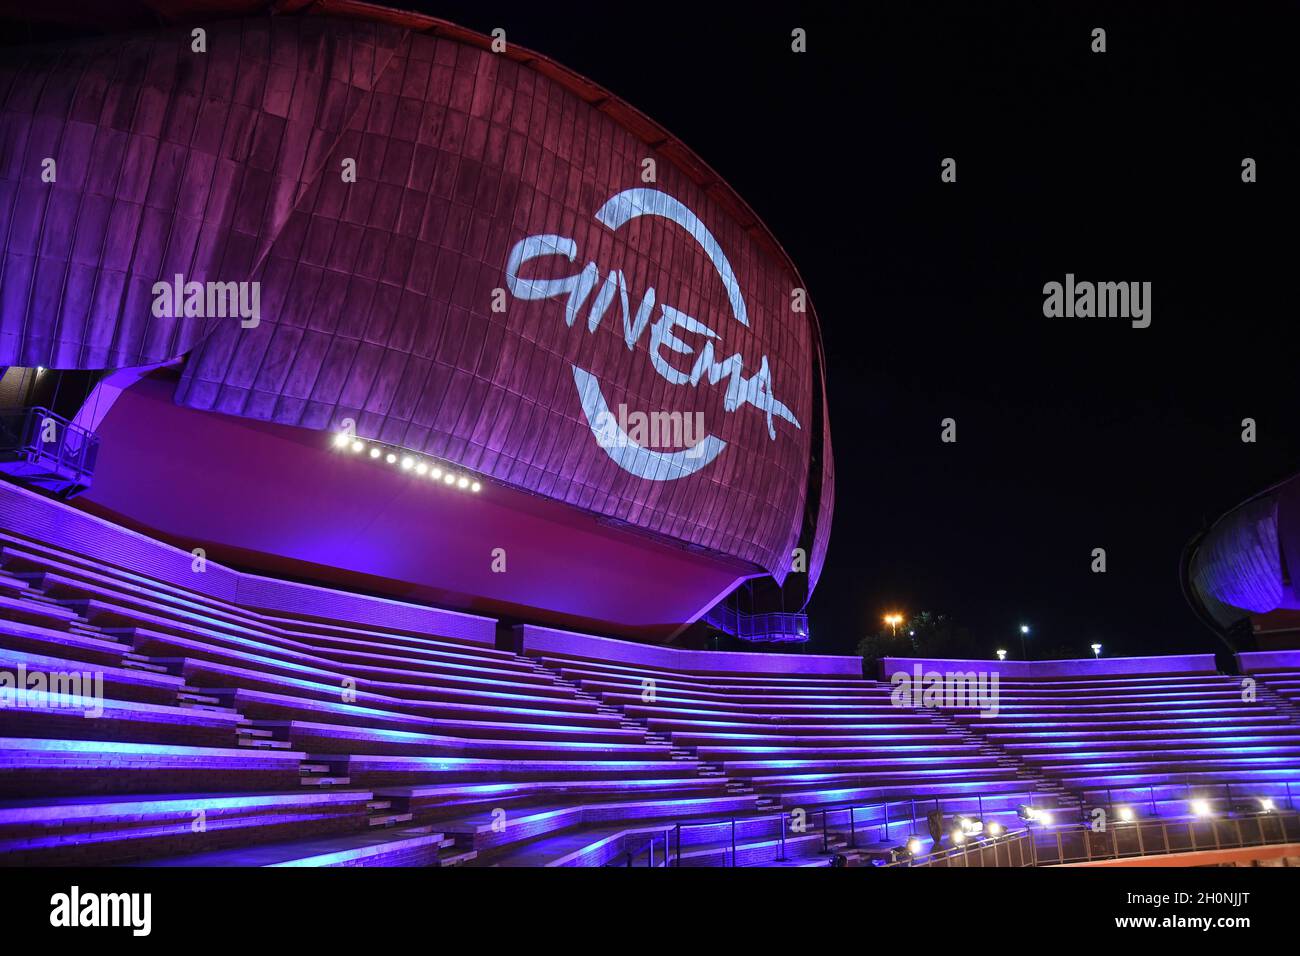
(408,461)
(995,829)
(1201,808)
(971,825)
(1266,805)
(1034,815)
(914,846)
(958,837)
(1126,814)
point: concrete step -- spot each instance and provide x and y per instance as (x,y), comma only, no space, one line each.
(139,665)
(214,708)
(456,859)
(252,732)
(195,697)
(390,819)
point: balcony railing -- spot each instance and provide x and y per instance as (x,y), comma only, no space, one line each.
(772,626)
(45,450)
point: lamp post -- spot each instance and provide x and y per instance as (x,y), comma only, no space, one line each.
(1096,651)
(1024,630)
(893,620)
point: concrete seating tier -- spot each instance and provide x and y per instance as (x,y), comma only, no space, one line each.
(202,697)
(337,730)
(800,742)
(57,767)
(1147,736)
(80,831)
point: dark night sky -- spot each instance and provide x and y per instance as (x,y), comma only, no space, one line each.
(1123,166)
(1072,434)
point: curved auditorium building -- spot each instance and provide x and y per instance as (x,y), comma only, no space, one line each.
(415,455)
(472,265)
(1240,573)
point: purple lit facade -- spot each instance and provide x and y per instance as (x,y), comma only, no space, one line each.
(390,301)
(245,623)
(1244,565)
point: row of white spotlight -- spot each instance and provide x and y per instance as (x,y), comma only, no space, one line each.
(1199,808)
(407,462)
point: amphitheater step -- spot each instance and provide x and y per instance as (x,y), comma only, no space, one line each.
(262,743)
(457,859)
(150,668)
(196,697)
(86,630)
(412,846)
(253,732)
(390,819)
(214,708)
(326,781)
(141,663)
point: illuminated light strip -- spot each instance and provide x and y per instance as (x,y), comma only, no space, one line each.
(394,456)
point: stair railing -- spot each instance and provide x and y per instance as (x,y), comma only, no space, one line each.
(885,820)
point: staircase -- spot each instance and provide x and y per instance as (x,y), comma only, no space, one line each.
(1286,708)
(1062,797)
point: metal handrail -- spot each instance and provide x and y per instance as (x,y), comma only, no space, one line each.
(853,806)
(1002,839)
(1165,846)
(72,451)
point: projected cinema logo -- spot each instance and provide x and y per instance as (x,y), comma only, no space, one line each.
(611,429)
